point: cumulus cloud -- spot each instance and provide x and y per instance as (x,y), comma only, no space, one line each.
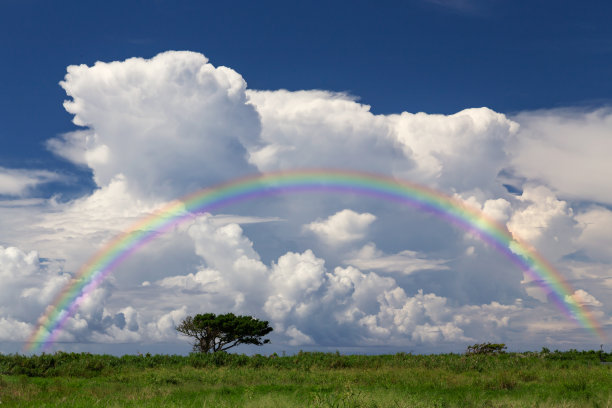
(153,129)
(14,330)
(307,304)
(498,210)
(414,316)
(306,129)
(170,125)
(544,221)
(427,318)
(461,151)
(342,227)
(297,275)
(568,149)
(28,285)
(322,129)
(298,338)
(225,248)
(582,297)
(72,231)
(164,327)
(546,224)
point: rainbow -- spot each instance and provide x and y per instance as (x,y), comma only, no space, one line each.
(455,211)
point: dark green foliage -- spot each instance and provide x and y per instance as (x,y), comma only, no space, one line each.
(88,365)
(583,355)
(570,379)
(214,333)
(486,348)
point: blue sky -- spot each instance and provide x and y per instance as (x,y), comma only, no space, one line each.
(430,56)
(511,93)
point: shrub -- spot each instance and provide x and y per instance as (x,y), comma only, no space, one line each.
(486,348)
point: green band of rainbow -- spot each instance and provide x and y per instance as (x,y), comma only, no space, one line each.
(423,198)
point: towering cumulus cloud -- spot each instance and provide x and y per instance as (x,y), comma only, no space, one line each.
(323,129)
(170,124)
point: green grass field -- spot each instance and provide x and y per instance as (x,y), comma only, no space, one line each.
(557,379)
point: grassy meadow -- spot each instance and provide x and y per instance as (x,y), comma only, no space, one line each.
(531,379)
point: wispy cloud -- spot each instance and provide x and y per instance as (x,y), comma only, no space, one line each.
(404,262)
(19,182)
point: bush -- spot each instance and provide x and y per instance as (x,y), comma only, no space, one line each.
(479,357)
(486,348)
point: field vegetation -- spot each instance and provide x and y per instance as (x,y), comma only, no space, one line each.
(531,379)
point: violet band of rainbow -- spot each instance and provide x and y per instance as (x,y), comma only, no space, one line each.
(454,211)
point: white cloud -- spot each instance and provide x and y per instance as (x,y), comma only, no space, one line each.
(297,337)
(224,247)
(582,298)
(424,318)
(14,330)
(323,129)
(567,149)
(544,221)
(19,182)
(297,274)
(28,285)
(405,262)
(164,327)
(16,263)
(428,333)
(72,231)
(300,296)
(306,129)
(224,219)
(498,209)
(461,151)
(80,147)
(342,227)
(206,280)
(595,238)
(495,321)
(171,124)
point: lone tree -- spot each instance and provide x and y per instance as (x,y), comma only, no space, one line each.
(214,333)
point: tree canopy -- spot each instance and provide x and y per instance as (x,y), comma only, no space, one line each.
(214,333)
